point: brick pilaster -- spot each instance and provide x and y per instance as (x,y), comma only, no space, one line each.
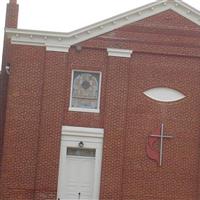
(115,126)
(53,102)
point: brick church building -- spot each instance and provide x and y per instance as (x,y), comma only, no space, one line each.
(107,112)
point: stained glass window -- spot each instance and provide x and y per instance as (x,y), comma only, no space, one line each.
(85,90)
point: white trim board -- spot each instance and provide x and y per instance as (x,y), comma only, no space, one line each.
(92,138)
(125,53)
(44,38)
(82,131)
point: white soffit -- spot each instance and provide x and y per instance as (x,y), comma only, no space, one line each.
(62,41)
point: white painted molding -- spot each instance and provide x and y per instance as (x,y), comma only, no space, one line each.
(84,110)
(58,48)
(41,38)
(93,139)
(119,52)
(164,94)
(83,131)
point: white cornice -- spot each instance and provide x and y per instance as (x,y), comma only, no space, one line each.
(62,41)
(126,53)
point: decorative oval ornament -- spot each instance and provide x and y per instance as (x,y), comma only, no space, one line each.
(164,94)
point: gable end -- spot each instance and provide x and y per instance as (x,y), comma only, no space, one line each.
(62,41)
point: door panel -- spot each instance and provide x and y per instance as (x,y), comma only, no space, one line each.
(78,175)
(80,163)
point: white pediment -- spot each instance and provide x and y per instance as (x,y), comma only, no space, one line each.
(62,41)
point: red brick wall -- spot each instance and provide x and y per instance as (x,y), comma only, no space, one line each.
(51,119)
(22,122)
(1,118)
(10,22)
(143,179)
(93,60)
(12,14)
(38,101)
(3,100)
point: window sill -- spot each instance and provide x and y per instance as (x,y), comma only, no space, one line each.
(84,110)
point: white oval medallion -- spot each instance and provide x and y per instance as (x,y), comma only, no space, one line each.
(164,94)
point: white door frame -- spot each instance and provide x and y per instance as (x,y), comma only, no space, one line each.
(92,138)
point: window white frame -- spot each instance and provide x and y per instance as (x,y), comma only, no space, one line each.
(77,109)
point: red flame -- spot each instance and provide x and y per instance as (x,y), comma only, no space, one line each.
(152,152)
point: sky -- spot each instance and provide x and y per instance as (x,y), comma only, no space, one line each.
(69,15)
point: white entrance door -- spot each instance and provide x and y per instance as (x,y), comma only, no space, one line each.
(78,174)
(80,165)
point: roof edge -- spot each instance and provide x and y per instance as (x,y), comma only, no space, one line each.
(44,38)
